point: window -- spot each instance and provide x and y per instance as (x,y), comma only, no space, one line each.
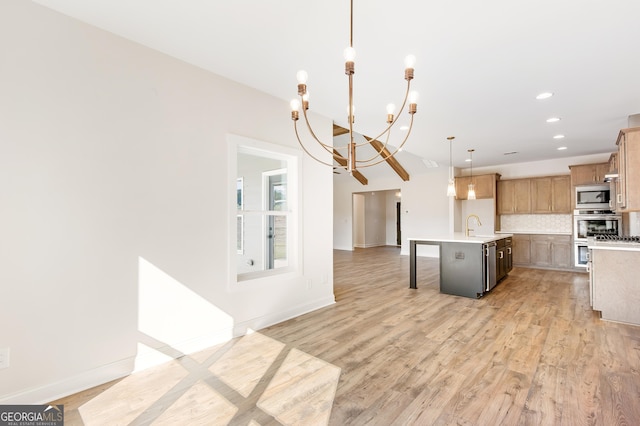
(265,214)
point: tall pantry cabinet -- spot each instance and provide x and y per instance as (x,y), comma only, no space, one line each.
(628,182)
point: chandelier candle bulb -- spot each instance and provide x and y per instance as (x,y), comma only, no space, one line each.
(305,101)
(351,113)
(413,102)
(409,63)
(302,77)
(295,105)
(349,56)
(391,109)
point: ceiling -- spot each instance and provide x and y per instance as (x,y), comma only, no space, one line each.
(479,65)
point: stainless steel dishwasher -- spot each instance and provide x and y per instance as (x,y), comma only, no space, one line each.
(489,265)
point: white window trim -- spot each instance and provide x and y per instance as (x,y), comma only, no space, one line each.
(240,144)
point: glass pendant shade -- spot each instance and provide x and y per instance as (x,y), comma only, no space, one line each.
(471,195)
(451,188)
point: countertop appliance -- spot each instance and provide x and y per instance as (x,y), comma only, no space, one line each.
(618,238)
(593,197)
(592,223)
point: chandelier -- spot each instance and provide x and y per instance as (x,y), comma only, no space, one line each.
(345,156)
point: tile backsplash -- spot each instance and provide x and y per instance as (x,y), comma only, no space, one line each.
(553,223)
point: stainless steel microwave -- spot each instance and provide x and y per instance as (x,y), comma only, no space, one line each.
(593,197)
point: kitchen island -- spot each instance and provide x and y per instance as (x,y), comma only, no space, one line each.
(470,266)
(614,280)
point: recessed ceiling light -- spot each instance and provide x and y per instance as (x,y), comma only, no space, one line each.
(558,137)
(404,127)
(544,95)
(562,148)
(553,119)
(468,160)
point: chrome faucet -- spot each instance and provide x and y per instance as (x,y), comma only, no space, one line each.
(477,220)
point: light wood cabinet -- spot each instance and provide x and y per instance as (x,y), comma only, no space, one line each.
(485,186)
(551,194)
(561,200)
(587,174)
(514,196)
(553,251)
(542,251)
(613,163)
(627,185)
(561,252)
(614,290)
(521,249)
(613,184)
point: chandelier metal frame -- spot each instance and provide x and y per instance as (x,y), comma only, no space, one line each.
(381,154)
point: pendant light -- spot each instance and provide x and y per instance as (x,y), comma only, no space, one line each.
(451,188)
(471,194)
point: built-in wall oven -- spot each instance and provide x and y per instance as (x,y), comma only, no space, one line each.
(590,223)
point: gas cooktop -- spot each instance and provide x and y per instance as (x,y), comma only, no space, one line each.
(618,238)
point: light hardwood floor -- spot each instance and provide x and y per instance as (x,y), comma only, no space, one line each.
(529,353)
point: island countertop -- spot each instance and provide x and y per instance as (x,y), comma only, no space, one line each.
(460,237)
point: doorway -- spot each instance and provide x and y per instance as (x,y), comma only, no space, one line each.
(398,224)
(376,219)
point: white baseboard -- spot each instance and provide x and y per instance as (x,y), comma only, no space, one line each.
(106,373)
(369,245)
(88,379)
(241,328)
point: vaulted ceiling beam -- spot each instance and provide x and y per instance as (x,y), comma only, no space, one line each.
(391,161)
(378,146)
(343,162)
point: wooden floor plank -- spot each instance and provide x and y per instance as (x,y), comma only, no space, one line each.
(531,352)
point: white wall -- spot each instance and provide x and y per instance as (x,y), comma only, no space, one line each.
(375,219)
(115,197)
(359,219)
(485,209)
